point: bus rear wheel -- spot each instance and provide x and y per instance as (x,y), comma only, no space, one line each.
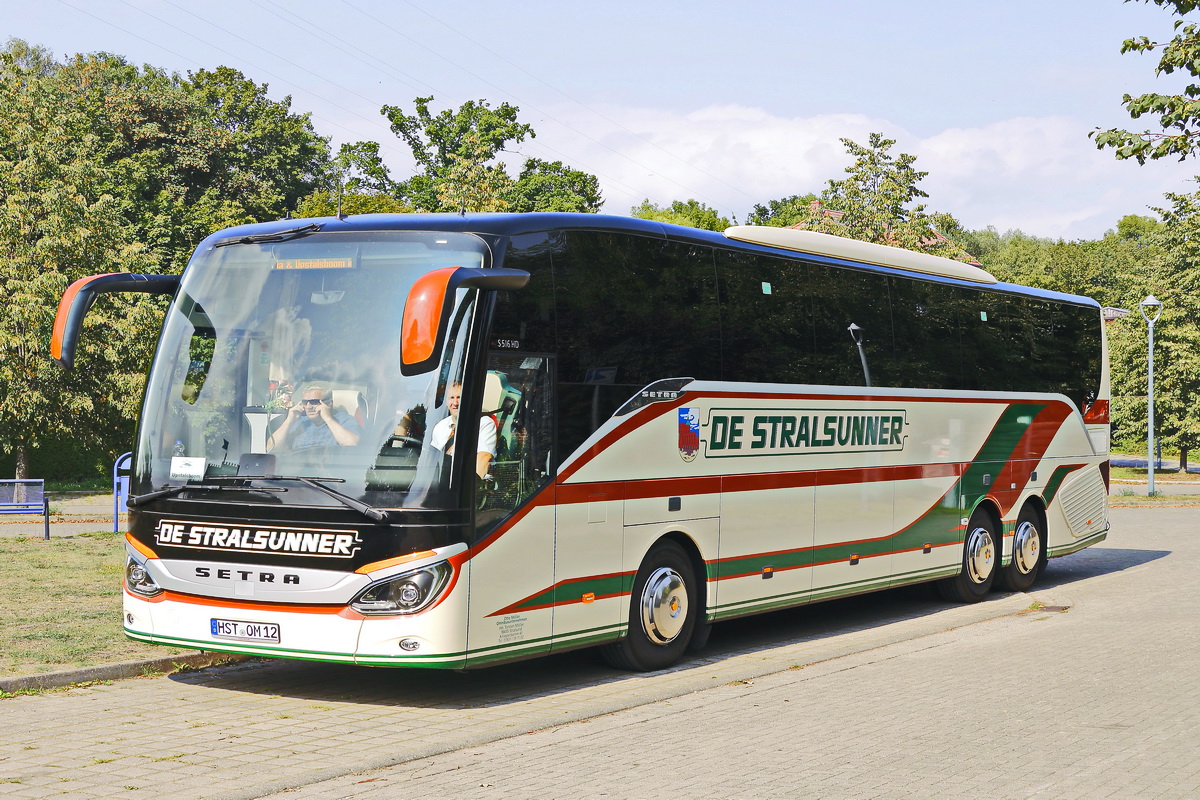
(1029,553)
(974,580)
(662,612)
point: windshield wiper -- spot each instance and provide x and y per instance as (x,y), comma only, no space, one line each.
(277,236)
(236,483)
(171,491)
(370,512)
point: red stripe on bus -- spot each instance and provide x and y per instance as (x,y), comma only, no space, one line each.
(1030,450)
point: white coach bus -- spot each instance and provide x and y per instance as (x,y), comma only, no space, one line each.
(672,427)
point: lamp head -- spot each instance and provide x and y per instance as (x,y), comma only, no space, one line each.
(1151,308)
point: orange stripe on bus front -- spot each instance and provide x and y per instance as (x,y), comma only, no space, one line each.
(217,602)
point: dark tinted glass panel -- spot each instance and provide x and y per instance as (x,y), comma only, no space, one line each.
(524,319)
(766,319)
(925,319)
(996,342)
(1076,353)
(841,298)
(631,311)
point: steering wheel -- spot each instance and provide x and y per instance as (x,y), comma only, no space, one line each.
(405,441)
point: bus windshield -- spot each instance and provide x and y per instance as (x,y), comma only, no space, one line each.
(282,358)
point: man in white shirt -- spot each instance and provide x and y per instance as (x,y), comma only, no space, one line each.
(442,435)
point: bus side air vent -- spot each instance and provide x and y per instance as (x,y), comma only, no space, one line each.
(1084,503)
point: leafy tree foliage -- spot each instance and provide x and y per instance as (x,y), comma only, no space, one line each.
(1172,274)
(326,203)
(873,203)
(107,167)
(456,152)
(1178,115)
(452,147)
(783,213)
(551,186)
(691,213)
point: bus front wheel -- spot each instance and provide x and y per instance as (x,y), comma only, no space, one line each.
(980,552)
(662,612)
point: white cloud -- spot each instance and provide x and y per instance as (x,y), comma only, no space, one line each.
(1042,175)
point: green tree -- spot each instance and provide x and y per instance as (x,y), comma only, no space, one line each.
(551,186)
(456,154)
(873,203)
(1172,274)
(107,167)
(691,213)
(326,203)
(1178,115)
(272,157)
(357,182)
(58,223)
(784,212)
(359,168)
(452,142)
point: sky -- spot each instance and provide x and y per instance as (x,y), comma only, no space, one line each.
(731,104)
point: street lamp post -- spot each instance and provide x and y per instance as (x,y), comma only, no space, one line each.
(1151,309)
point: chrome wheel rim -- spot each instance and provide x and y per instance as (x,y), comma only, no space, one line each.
(664,605)
(981,555)
(1027,547)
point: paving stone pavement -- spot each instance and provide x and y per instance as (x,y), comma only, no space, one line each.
(892,696)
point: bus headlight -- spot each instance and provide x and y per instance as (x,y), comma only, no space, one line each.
(138,580)
(406,593)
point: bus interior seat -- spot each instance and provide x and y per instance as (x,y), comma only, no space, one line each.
(493,391)
(352,402)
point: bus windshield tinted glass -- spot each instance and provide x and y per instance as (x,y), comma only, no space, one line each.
(283,358)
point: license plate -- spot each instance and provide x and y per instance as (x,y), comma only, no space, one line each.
(246,631)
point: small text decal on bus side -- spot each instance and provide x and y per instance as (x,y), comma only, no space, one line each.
(731,432)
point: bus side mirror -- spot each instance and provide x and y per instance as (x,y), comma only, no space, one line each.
(80,296)
(428,305)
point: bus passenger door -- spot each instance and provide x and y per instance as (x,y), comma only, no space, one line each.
(512,572)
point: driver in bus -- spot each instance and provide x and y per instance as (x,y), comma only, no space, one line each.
(313,422)
(442,436)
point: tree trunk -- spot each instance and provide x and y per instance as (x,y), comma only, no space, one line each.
(1183,454)
(22,461)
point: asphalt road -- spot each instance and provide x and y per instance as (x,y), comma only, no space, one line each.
(893,695)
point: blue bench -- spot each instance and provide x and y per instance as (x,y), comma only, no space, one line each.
(25,497)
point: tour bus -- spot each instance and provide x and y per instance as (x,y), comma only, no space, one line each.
(667,428)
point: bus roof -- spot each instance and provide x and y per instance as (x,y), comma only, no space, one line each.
(782,241)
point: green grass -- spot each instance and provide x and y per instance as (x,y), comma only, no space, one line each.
(60,605)
(86,485)
(1140,474)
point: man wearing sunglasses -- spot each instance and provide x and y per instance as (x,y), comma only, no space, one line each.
(313,422)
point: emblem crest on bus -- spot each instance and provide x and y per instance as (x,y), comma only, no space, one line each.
(689,433)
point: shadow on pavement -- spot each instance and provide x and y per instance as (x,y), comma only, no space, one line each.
(1094,561)
(565,672)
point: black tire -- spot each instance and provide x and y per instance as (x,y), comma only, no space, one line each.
(979,561)
(1029,552)
(662,612)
